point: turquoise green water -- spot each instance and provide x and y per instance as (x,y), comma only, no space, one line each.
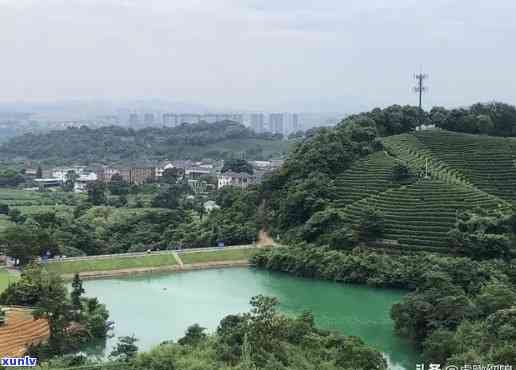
(156,308)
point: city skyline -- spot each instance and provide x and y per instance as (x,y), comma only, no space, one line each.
(260,122)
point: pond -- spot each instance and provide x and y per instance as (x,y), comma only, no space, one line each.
(160,307)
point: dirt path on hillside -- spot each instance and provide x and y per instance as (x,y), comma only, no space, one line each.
(264,239)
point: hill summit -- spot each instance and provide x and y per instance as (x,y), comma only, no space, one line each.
(417,184)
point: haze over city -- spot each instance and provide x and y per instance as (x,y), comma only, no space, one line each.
(328,56)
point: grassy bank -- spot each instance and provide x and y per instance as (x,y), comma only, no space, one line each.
(157,260)
(217,256)
(150,261)
(5,279)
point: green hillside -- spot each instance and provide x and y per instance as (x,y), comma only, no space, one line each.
(485,162)
(220,140)
(464,172)
(418,216)
(368,176)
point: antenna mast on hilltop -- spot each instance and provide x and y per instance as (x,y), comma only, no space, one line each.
(420,89)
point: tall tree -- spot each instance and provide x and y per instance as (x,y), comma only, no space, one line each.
(71,178)
(26,242)
(77,291)
(54,306)
(118,186)
(171,175)
(237,165)
(97,193)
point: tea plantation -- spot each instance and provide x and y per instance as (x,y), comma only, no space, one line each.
(367,177)
(464,172)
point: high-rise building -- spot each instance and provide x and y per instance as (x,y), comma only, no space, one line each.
(148,119)
(237,117)
(134,119)
(189,118)
(295,122)
(170,120)
(209,118)
(257,122)
(276,123)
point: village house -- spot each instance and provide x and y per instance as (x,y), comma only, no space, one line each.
(240,179)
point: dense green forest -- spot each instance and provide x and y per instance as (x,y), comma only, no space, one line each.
(84,145)
(376,201)
(63,310)
(102,223)
(459,311)
(373,179)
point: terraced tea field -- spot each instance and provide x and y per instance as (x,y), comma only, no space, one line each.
(368,176)
(483,161)
(465,172)
(419,216)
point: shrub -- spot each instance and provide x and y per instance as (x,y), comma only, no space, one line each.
(400,172)
(370,225)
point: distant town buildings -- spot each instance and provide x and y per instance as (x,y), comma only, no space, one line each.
(59,176)
(283,123)
(276,123)
(243,179)
(257,122)
(105,173)
(201,176)
(133,120)
(134,175)
(239,179)
(170,120)
(148,119)
(295,123)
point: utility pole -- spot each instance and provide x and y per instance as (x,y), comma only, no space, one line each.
(420,89)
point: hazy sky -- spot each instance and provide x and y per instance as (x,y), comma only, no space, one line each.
(250,54)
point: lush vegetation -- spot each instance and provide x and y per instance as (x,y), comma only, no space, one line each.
(497,119)
(13,197)
(237,222)
(371,170)
(259,339)
(484,162)
(237,165)
(10,178)
(5,279)
(438,201)
(372,185)
(85,229)
(72,319)
(116,144)
(459,310)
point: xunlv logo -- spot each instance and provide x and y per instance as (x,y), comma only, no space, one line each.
(19,361)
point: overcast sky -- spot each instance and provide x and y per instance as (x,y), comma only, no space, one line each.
(250,54)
